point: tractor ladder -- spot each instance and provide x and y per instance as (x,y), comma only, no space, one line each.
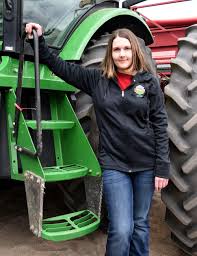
(73,158)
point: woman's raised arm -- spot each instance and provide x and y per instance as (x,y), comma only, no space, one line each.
(83,78)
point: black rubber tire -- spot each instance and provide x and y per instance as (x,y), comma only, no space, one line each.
(180,196)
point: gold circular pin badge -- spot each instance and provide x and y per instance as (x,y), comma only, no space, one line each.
(139,90)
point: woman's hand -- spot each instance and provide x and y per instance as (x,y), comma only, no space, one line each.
(160,183)
(30,26)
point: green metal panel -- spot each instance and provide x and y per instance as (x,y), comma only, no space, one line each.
(51,125)
(72,51)
(80,38)
(65,172)
(70,226)
(74,144)
(9,75)
(24,140)
(56,133)
(73,151)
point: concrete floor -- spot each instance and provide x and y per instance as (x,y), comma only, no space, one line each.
(17,240)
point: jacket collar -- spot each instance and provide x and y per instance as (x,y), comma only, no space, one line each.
(140,77)
(143,76)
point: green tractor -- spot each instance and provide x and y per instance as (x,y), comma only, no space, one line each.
(41,117)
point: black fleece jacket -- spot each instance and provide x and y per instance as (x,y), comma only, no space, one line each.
(133,125)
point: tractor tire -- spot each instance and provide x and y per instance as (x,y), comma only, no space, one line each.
(180,196)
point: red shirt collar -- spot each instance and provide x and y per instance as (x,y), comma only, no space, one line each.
(124,80)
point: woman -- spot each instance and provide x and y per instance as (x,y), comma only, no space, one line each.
(132,121)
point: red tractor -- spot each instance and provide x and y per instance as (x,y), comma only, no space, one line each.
(175,52)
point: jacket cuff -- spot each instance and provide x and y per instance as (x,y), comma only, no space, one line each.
(40,40)
(162,170)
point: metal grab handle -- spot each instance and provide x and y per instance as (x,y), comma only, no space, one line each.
(37,97)
(39,145)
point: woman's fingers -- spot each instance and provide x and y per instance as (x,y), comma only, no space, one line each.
(29,28)
(160,183)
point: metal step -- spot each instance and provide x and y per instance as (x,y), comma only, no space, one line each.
(51,124)
(69,226)
(65,172)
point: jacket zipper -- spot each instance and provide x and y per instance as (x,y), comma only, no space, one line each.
(122,94)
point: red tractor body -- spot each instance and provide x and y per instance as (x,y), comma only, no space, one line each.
(165,46)
(166,33)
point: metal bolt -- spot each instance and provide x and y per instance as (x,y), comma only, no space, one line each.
(13,132)
(13,123)
(97,173)
(90,171)
(16,147)
(20,149)
(15,70)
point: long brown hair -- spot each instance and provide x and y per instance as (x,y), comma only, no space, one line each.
(138,60)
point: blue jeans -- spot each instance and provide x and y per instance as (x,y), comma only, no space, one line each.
(128,199)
